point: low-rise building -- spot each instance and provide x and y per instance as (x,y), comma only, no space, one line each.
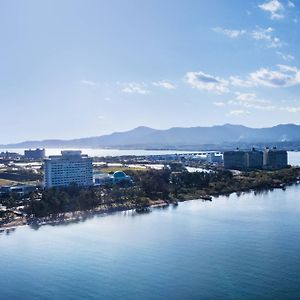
(69,167)
(20,189)
(214,158)
(10,155)
(117,177)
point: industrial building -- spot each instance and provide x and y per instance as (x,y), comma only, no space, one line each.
(69,167)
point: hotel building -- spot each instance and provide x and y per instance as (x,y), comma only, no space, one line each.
(69,167)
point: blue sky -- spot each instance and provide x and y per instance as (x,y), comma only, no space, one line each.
(75,68)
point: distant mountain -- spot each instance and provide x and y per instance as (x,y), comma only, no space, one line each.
(177,137)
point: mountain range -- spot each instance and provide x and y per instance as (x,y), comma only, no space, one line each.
(177,137)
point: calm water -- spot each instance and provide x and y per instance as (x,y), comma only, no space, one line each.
(293,157)
(243,247)
(104,152)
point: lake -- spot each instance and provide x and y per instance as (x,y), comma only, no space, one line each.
(105,152)
(293,156)
(236,247)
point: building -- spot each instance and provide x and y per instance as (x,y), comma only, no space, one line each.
(120,176)
(254,159)
(36,154)
(117,177)
(214,158)
(69,167)
(10,156)
(20,190)
(275,159)
(243,160)
(234,160)
(103,179)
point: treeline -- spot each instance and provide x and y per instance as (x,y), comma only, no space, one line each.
(75,198)
(21,175)
(166,184)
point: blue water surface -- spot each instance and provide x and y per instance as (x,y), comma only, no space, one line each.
(237,247)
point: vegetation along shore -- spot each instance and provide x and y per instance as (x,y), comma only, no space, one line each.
(149,188)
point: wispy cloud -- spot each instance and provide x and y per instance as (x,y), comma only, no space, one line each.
(232,33)
(277,9)
(286,57)
(88,82)
(164,84)
(239,82)
(274,7)
(250,100)
(266,35)
(291,109)
(203,81)
(135,88)
(283,76)
(245,97)
(238,112)
(219,104)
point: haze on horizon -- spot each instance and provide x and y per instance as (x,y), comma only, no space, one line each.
(73,69)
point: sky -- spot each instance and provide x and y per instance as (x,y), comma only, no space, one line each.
(79,68)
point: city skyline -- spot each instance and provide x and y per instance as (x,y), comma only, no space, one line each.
(73,69)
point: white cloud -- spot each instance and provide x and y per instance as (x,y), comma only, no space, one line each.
(286,57)
(250,100)
(267,36)
(290,4)
(259,34)
(232,33)
(247,97)
(202,81)
(274,7)
(219,104)
(283,77)
(239,112)
(165,84)
(88,82)
(135,88)
(291,109)
(237,81)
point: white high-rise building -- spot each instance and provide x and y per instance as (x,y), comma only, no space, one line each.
(69,167)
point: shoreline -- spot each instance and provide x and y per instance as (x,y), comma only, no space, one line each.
(80,216)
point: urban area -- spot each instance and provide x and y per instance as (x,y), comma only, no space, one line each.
(35,189)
